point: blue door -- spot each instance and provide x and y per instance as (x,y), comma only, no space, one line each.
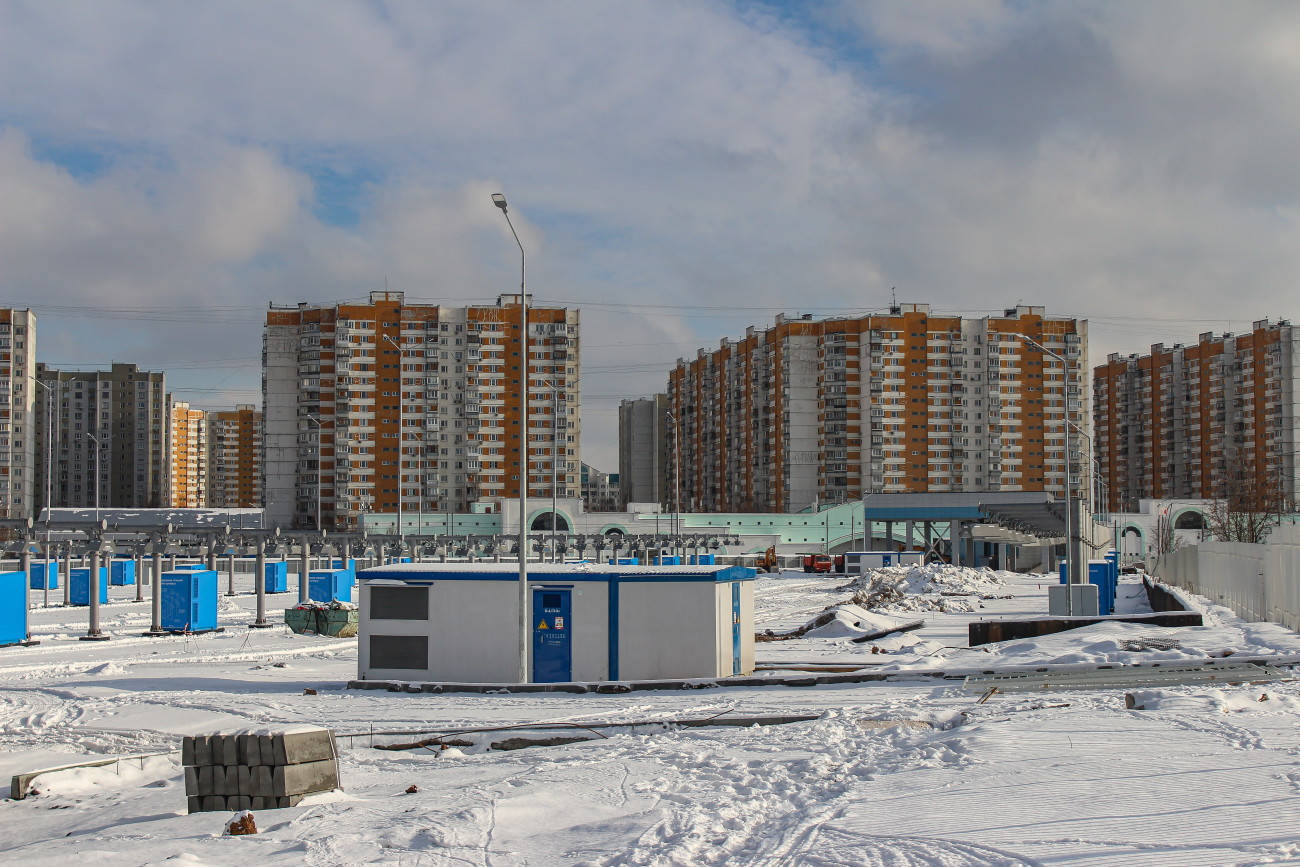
(735,627)
(552,631)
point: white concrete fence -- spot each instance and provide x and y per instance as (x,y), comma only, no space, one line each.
(1258,582)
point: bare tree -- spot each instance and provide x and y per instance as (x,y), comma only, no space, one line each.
(1249,502)
(1164,540)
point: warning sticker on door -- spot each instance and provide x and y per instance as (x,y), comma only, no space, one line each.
(559,623)
(542,625)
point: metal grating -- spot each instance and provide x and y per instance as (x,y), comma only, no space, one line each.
(1129,676)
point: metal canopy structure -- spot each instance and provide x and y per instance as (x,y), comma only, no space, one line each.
(1031,513)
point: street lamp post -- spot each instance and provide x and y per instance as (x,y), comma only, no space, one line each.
(49,474)
(401,434)
(1071,560)
(677,473)
(555,454)
(500,201)
(320,523)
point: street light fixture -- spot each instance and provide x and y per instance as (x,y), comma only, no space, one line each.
(555,454)
(677,474)
(500,201)
(401,435)
(1071,561)
(49,475)
(320,526)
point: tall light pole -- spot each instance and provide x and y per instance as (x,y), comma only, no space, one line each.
(320,525)
(401,434)
(677,473)
(95,440)
(555,454)
(1072,566)
(49,474)
(500,201)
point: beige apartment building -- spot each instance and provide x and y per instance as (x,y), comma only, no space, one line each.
(21,459)
(826,411)
(108,437)
(1170,424)
(235,458)
(383,405)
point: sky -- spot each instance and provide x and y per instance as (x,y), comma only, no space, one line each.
(677,170)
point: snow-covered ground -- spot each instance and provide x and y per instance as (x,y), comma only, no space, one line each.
(1202,777)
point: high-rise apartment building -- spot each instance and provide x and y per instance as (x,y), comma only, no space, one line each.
(642,451)
(599,490)
(109,422)
(371,405)
(188,446)
(235,458)
(1171,424)
(828,410)
(20,462)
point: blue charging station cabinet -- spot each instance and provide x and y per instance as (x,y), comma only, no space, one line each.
(328,585)
(13,608)
(189,600)
(79,586)
(121,573)
(277,577)
(38,575)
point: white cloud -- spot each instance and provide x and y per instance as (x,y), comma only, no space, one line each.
(1102,159)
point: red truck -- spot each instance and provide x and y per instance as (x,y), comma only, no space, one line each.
(823,563)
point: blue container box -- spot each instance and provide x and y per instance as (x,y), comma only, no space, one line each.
(189,600)
(674,560)
(1065,572)
(79,586)
(351,567)
(277,577)
(629,561)
(326,585)
(192,567)
(700,560)
(1099,574)
(121,573)
(37,574)
(13,608)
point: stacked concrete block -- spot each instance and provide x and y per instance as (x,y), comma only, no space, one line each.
(259,771)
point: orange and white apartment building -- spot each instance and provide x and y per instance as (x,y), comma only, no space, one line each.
(1171,423)
(830,410)
(371,404)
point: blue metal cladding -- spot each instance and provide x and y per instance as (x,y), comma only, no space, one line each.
(277,577)
(735,628)
(13,607)
(121,573)
(552,635)
(189,600)
(79,586)
(38,574)
(328,585)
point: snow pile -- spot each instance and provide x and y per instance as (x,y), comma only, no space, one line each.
(849,621)
(332,605)
(933,587)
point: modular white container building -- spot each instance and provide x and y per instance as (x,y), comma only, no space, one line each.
(857,562)
(458,622)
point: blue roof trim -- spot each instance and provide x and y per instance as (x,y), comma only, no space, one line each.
(633,575)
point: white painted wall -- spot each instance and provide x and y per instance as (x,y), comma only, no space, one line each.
(1258,582)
